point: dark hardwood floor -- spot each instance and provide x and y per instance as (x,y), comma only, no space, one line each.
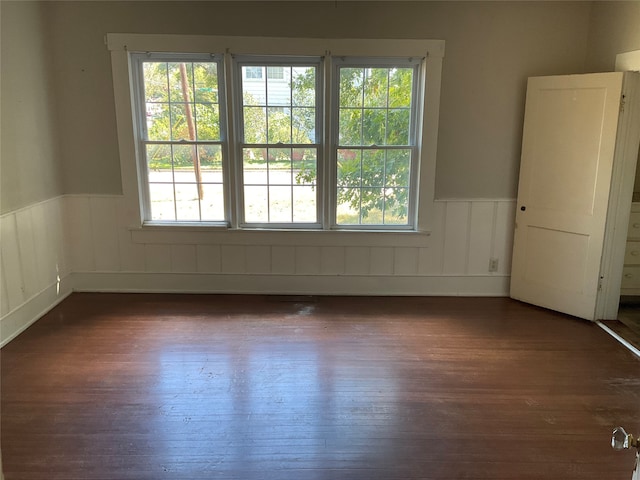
(155,387)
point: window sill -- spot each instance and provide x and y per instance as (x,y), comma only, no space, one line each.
(194,234)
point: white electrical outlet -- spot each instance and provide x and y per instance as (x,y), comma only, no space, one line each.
(493,264)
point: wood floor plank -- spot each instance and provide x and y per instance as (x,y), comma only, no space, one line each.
(124,386)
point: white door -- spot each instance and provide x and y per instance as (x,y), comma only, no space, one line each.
(569,141)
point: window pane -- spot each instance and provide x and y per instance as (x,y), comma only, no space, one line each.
(350,126)
(161,198)
(396,206)
(256,204)
(207,121)
(187,202)
(158,124)
(180,82)
(400,86)
(304,125)
(279,166)
(252,72)
(159,163)
(279,124)
(206,82)
(348,206)
(276,73)
(351,87)
(254,87)
(305,168)
(303,84)
(398,168)
(184,159)
(279,87)
(376,87)
(180,118)
(210,163)
(156,86)
(373,126)
(212,203)
(349,168)
(371,205)
(280,204)
(373,172)
(255,166)
(398,127)
(255,125)
(304,204)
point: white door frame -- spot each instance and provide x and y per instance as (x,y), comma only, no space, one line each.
(622,184)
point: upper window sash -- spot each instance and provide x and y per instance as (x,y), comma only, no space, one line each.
(249,85)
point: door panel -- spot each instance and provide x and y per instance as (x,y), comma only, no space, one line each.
(568,147)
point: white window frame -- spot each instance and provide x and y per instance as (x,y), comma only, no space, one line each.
(432,51)
(414,131)
(269,61)
(137,80)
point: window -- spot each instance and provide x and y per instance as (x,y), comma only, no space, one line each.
(280,129)
(255,138)
(181,138)
(376,141)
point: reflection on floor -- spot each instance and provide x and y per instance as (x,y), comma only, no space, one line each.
(628,326)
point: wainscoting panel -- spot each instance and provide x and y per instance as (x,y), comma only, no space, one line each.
(456,238)
(481,229)
(34,270)
(465,236)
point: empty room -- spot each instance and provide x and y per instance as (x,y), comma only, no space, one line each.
(319,240)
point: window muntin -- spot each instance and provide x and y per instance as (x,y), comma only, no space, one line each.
(280,150)
(181,136)
(375,134)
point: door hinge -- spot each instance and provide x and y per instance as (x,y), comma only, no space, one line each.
(622,102)
(600,284)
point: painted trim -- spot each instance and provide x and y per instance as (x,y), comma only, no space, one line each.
(630,347)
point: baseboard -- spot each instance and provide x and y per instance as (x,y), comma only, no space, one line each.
(19,319)
(441,285)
